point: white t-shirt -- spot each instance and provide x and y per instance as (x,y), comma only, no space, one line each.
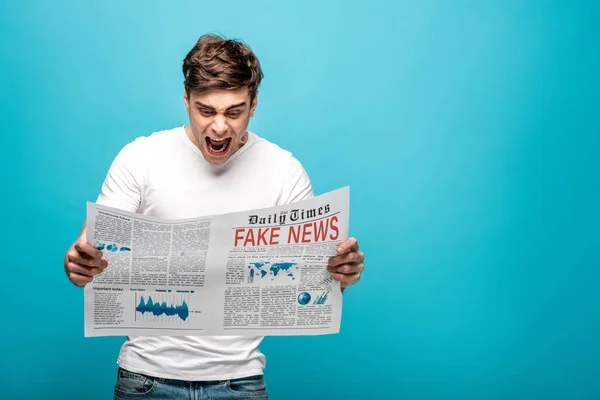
(165,175)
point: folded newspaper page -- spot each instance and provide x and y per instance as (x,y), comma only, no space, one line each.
(256,273)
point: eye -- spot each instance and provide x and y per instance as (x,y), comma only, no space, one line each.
(233,114)
(206,113)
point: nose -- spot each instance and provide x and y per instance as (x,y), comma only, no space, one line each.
(219,124)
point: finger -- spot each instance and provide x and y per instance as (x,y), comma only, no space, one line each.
(83,246)
(346,280)
(350,244)
(82,270)
(77,258)
(346,258)
(347,269)
(79,280)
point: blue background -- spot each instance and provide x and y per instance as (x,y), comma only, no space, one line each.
(469,132)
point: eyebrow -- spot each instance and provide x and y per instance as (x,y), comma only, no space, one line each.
(198,103)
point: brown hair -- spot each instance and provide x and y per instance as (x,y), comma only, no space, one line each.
(218,63)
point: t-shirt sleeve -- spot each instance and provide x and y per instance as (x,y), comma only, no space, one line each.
(297,184)
(122,187)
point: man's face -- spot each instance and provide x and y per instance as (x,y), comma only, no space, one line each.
(219,122)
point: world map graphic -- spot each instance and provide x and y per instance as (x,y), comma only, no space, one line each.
(276,271)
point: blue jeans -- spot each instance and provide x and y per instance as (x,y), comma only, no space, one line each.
(131,385)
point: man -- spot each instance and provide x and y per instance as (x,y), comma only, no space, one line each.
(213,166)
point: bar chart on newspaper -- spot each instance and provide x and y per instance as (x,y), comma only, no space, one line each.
(164,307)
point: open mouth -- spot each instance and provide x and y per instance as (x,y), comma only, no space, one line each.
(218,147)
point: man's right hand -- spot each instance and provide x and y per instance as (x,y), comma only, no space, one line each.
(83,261)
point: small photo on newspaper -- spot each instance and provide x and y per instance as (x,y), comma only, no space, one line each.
(255,273)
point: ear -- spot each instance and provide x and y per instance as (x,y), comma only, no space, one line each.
(254,104)
(186,100)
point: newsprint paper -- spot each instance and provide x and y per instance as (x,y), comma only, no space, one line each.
(256,273)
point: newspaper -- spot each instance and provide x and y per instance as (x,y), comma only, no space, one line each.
(257,273)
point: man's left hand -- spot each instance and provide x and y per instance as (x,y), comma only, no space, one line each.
(347,266)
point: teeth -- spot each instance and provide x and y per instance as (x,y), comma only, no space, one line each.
(221,150)
(218,145)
